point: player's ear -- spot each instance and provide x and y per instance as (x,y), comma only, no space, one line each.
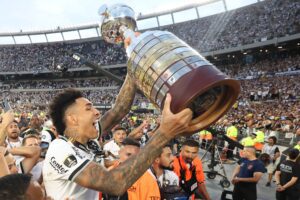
(71,119)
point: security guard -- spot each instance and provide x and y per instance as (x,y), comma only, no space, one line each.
(259,140)
(297,147)
(248,141)
(232,133)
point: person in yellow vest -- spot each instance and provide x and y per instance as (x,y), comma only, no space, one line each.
(297,146)
(206,138)
(232,133)
(247,142)
(259,140)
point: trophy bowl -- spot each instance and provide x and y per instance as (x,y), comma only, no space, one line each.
(161,63)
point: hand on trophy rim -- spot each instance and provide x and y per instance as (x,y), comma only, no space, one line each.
(174,124)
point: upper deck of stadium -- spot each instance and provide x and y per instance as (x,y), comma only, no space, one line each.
(148,21)
(212,27)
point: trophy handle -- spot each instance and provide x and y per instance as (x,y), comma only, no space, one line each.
(127,33)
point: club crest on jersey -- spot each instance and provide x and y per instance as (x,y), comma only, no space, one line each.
(250,166)
(70,161)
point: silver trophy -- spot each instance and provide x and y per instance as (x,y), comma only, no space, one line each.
(161,63)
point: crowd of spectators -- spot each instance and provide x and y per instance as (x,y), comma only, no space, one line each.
(263,67)
(46,57)
(271,20)
(42,98)
(60,84)
(269,96)
(280,88)
(257,22)
(263,87)
(273,99)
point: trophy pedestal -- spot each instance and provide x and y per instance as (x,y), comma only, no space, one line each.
(207,93)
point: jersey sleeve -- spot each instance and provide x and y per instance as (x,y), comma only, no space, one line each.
(296,171)
(63,161)
(259,167)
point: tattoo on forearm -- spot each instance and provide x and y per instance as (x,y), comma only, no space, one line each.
(122,177)
(122,105)
(137,165)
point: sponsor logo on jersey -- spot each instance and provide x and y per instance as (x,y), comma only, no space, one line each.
(58,167)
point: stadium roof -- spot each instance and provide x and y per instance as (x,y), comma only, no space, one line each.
(89,31)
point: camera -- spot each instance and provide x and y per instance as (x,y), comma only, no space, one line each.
(44,147)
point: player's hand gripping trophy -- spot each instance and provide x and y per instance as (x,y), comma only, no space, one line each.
(161,63)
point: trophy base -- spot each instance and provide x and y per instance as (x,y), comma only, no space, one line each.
(209,96)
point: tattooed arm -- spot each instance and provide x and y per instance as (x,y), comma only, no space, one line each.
(122,106)
(118,180)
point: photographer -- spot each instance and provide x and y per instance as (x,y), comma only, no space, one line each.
(167,180)
(188,167)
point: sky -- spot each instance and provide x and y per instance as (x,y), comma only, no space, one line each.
(48,14)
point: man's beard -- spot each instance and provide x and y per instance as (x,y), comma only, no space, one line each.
(166,167)
(14,136)
(188,160)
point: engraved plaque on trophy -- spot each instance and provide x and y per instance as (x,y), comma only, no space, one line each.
(161,63)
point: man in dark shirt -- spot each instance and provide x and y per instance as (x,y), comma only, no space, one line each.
(288,178)
(246,175)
